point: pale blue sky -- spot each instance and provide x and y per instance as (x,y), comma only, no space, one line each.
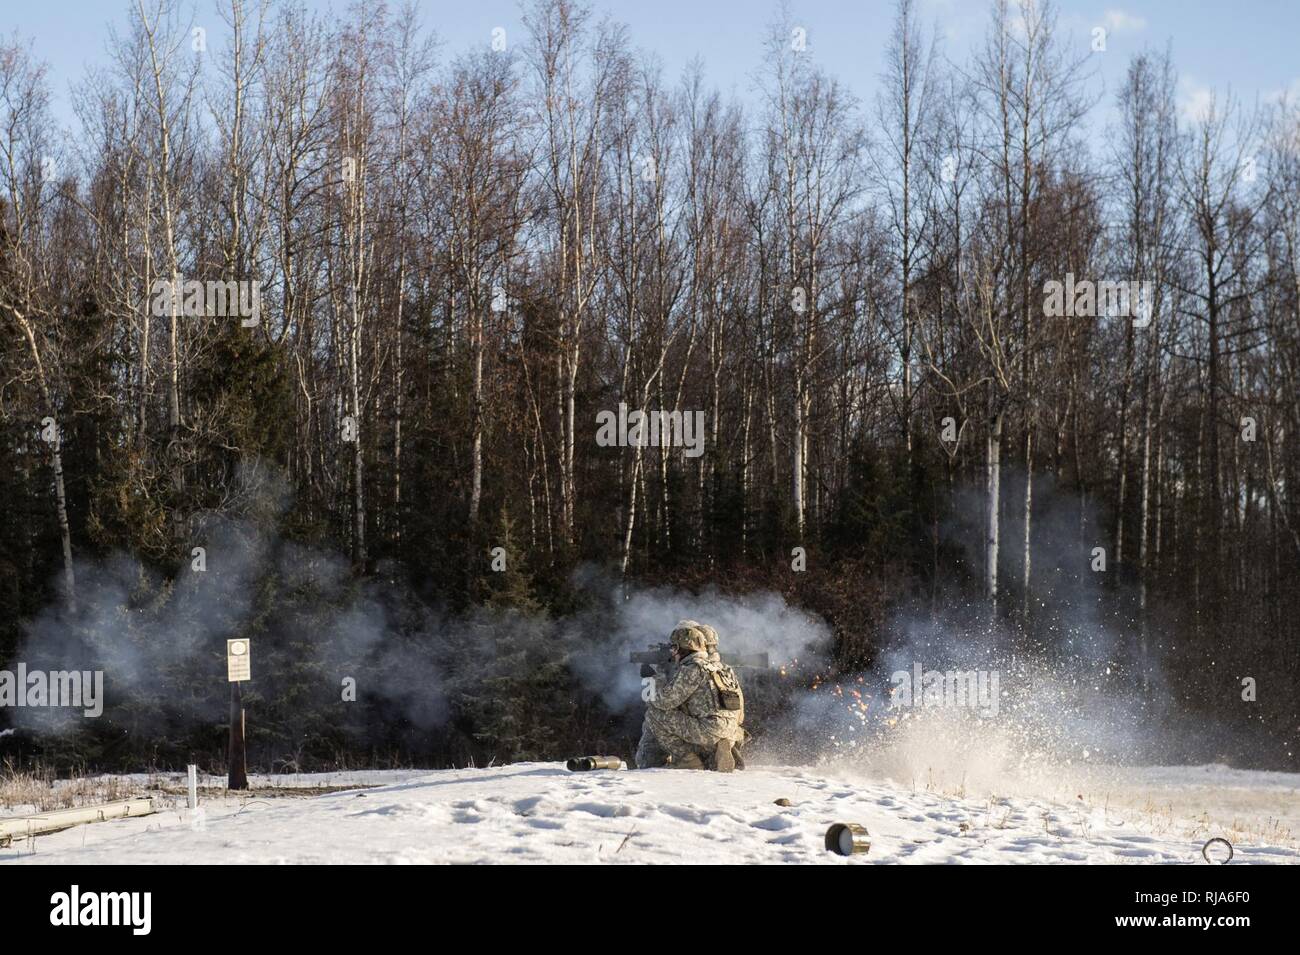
(1250,44)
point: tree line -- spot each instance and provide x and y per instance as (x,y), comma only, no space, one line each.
(462,258)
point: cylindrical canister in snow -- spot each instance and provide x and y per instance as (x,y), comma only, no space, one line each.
(848,839)
(584,763)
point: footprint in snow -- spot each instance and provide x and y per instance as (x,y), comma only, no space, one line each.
(602,809)
(545,824)
(697,816)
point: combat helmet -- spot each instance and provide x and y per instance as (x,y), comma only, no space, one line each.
(688,636)
(710,638)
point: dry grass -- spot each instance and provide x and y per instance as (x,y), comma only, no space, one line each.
(38,790)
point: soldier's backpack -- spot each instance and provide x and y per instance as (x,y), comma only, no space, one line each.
(730,695)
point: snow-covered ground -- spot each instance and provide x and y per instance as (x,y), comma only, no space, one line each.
(540,812)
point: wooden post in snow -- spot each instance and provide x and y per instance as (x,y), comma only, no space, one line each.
(238,669)
(236,757)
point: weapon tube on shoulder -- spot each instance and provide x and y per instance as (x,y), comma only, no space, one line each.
(659,655)
(582,764)
(752,661)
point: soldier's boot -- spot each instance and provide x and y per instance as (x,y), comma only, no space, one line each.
(688,761)
(724,761)
(736,756)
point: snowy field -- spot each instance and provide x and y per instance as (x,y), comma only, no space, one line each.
(541,813)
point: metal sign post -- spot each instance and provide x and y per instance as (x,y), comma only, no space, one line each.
(238,669)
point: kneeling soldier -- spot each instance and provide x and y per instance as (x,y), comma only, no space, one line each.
(687,719)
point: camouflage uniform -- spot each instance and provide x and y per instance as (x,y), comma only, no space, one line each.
(711,648)
(685,720)
(649,754)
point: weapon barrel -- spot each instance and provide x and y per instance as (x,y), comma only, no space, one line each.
(758,661)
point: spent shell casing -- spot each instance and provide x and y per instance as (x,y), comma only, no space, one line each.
(582,764)
(848,839)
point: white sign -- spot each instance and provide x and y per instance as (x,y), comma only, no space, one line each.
(238,661)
